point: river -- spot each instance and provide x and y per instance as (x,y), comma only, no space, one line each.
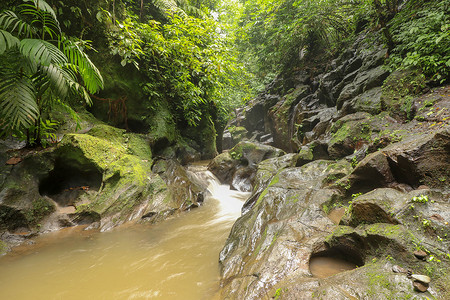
(175,259)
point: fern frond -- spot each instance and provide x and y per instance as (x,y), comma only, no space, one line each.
(7,41)
(42,52)
(18,105)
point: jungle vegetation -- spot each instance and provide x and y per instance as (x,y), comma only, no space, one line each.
(202,57)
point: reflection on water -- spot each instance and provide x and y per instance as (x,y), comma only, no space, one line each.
(176,259)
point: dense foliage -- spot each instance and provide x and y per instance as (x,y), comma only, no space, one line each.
(39,67)
(188,61)
(278,34)
(197,56)
(422,35)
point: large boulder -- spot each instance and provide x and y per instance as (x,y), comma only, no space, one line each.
(418,159)
(237,167)
(271,248)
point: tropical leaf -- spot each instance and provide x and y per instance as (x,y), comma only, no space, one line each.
(58,79)
(18,105)
(10,22)
(42,52)
(41,5)
(7,41)
(92,79)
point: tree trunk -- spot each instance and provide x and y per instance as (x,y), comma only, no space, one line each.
(114,12)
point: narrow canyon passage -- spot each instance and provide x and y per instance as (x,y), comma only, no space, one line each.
(176,259)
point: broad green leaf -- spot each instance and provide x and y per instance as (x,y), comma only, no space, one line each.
(7,41)
(41,52)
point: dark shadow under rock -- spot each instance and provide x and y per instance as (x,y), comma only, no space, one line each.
(65,182)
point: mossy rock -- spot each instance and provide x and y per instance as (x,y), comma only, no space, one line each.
(204,135)
(349,133)
(377,206)
(280,114)
(238,133)
(399,90)
(304,156)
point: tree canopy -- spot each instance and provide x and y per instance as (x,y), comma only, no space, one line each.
(198,55)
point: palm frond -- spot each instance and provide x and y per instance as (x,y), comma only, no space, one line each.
(42,19)
(10,22)
(70,73)
(81,91)
(7,41)
(18,105)
(58,79)
(42,52)
(92,79)
(41,5)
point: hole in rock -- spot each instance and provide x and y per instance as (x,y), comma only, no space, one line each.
(159,145)
(65,182)
(330,262)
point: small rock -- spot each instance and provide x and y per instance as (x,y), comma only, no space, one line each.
(420,254)
(420,286)
(13,161)
(423,187)
(437,217)
(398,269)
(421,278)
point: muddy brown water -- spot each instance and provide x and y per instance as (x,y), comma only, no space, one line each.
(325,266)
(176,259)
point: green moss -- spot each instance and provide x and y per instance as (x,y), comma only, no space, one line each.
(129,168)
(237,132)
(339,232)
(238,151)
(277,294)
(137,145)
(274,180)
(305,154)
(378,279)
(161,123)
(398,92)
(387,230)
(111,134)
(84,149)
(125,163)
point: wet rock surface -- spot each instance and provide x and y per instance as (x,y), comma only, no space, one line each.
(367,182)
